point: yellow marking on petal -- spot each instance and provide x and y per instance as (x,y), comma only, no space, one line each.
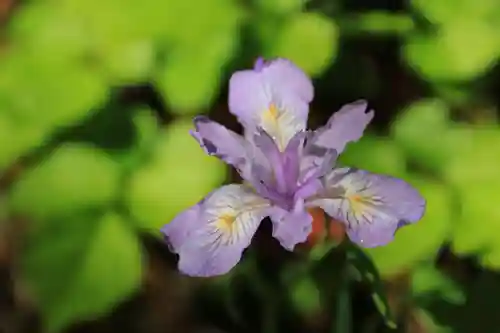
(358,202)
(356,198)
(226,221)
(273,112)
(270,117)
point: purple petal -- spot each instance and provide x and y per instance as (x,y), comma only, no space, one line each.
(218,141)
(373,206)
(291,228)
(283,165)
(291,160)
(222,229)
(271,152)
(259,172)
(373,236)
(259,64)
(308,189)
(316,161)
(346,125)
(177,231)
(275,96)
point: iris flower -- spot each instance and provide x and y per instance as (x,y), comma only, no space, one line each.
(286,170)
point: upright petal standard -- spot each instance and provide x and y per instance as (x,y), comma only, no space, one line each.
(274,96)
(287,170)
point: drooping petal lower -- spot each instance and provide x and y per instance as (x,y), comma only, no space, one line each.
(177,231)
(373,206)
(291,228)
(227,221)
(346,125)
(274,96)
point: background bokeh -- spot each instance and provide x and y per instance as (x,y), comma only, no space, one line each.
(96,100)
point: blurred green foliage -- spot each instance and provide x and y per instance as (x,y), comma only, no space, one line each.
(305,31)
(463,43)
(71,179)
(96,170)
(178,175)
(81,266)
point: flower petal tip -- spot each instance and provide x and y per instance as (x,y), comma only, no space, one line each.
(259,64)
(200,119)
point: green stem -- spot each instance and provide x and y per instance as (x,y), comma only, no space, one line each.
(343,322)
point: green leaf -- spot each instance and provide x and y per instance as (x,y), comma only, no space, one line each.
(178,176)
(419,241)
(199,44)
(280,7)
(343,315)
(427,322)
(428,281)
(130,62)
(146,131)
(80,268)
(310,40)
(473,172)
(179,24)
(375,154)
(48,93)
(50,31)
(305,295)
(107,23)
(73,177)
(415,131)
(478,217)
(460,51)
(474,158)
(190,78)
(490,259)
(447,11)
(20,140)
(367,272)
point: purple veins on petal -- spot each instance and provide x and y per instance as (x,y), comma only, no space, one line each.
(290,160)
(219,141)
(212,241)
(346,125)
(270,151)
(277,174)
(372,206)
(284,166)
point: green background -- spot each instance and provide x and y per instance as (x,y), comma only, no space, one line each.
(96,101)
